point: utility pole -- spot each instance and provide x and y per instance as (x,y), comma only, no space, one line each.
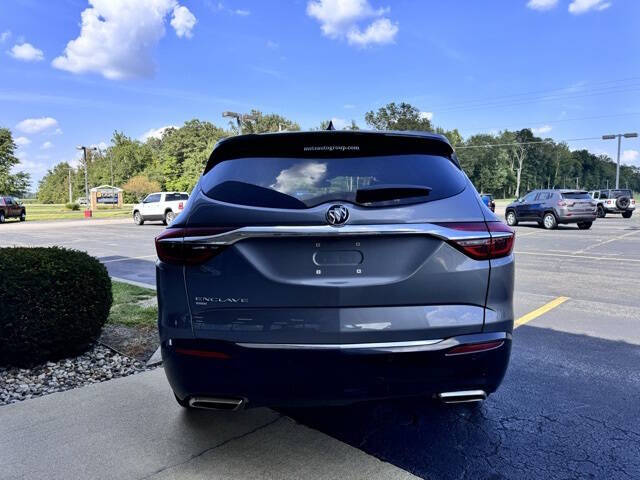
(240,117)
(619,137)
(70,194)
(86,174)
(577,183)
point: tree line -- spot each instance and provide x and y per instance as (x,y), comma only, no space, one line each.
(506,164)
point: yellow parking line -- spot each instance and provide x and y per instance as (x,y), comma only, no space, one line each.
(540,311)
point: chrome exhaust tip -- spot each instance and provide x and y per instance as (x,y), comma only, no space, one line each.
(463,396)
(215,403)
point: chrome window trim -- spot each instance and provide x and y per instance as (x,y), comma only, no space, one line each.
(428,229)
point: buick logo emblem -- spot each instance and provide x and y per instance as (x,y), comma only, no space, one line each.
(337,215)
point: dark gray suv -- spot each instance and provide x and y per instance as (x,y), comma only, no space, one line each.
(330,267)
(552,207)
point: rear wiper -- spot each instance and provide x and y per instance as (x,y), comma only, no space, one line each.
(387,192)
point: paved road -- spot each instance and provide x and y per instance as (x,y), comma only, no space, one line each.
(568,407)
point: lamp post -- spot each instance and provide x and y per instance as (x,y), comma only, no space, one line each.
(240,117)
(86,175)
(619,137)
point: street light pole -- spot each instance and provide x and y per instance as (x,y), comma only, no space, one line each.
(86,174)
(619,137)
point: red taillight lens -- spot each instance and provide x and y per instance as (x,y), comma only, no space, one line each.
(496,246)
(202,353)
(181,206)
(171,247)
(475,347)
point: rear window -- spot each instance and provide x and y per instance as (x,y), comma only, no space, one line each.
(576,195)
(621,193)
(171,197)
(275,182)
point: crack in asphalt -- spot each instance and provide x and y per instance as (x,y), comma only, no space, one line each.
(214,447)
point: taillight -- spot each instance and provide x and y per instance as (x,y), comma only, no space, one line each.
(562,203)
(498,245)
(633,202)
(180,206)
(475,347)
(173,245)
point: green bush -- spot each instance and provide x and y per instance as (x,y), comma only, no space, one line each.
(53,303)
(72,206)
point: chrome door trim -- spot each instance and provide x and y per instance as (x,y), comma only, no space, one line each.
(428,229)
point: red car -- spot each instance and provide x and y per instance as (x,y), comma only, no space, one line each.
(11,207)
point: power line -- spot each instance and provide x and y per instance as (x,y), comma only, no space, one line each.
(488,145)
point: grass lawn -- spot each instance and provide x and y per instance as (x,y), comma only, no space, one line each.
(133,306)
(39,211)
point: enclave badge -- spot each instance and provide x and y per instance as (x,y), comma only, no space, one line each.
(337,215)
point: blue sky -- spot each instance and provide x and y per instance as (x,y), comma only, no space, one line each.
(73,71)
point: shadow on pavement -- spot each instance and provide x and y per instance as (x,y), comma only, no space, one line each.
(568,408)
(135,269)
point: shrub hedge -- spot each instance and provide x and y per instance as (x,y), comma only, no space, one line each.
(72,206)
(53,303)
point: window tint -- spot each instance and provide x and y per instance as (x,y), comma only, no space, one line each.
(171,197)
(620,193)
(542,196)
(530,197)
(8,201)
(603,194)
(306,182)
(152,198)
(576,195)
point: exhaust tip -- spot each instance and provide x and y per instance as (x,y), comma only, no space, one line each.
(463,396)
(215,403)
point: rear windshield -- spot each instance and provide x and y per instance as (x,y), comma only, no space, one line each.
(576,195)
(171,197)
(305,182)
(620,193)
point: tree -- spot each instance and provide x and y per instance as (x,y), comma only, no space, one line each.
(54,186)
(10,183)
(265,123)
(140,186)
(398,117)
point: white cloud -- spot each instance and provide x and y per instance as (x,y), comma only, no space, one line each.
(427,115)
(272,45)
(339,19)
(22,141)
(541,130)
(4,36)
(117,37)
(578,7)
(630,157)
(35,125)
(241,12)
(26,52)
(300,176)
(46,145)
(183,21)
(542,4)
(155,133)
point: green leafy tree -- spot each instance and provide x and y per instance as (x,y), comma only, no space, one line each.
(10,183)
(140,186)
(398,117)
(54,186)
(262,123)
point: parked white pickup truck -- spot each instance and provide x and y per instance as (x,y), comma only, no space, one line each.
(164,206)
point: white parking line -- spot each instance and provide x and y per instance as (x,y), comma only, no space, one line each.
(619,237)
(585,257)
(128,258)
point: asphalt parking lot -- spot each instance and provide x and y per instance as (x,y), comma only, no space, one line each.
(568,407)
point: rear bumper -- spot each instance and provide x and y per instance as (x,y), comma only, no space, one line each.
(577,217)
(617,210)
(293,375)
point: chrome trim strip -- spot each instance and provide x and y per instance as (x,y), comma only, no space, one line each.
(438,231)
(463,396)
(338,346)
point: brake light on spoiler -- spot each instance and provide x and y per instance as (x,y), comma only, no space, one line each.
(498,244)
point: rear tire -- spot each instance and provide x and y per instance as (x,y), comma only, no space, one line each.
(1,217)
(137,218)
(584,225)
(549,221)
(512,220)
(23,216)
(168,217)
(600,212)
(626,214)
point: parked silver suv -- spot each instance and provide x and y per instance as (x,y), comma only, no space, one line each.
(552,207)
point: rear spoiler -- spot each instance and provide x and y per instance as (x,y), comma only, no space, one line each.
(330,144)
